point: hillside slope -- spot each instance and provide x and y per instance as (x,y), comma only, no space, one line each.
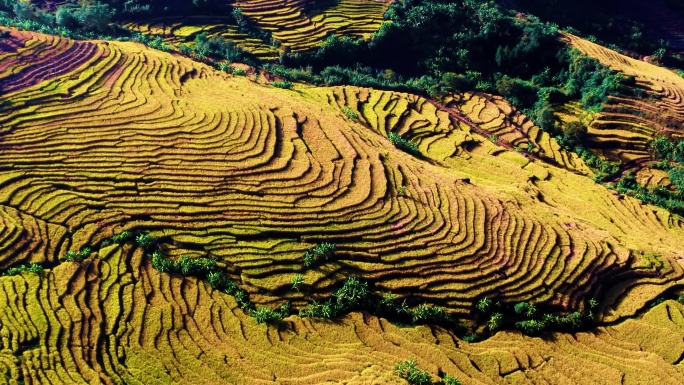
(253,175)
(627,124)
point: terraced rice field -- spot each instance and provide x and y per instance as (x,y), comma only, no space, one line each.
(506,125)
(298,25)
(142,327)
(183,30)
(253,175)
(302,25)
(627,124)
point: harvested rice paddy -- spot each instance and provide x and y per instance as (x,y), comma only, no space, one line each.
(626,125)
(118,136)
(296,25)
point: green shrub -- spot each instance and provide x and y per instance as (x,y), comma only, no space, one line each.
(424,314)
(242,298)
(472,337)
(350,114)
(403,144)
(30,268)
(495,321)
(352,295)
(450,380)
(72,256)
(574,134)
(531,326)
(285,84)
(195,266)
(388,303)
(159,44)
(285,309)
(320,253)
(161,264)
(485,304)
(122,237)
(266,315)
(145,241)
(409,371)
(315,309)
(524,308)
(297,281)
(217,280)
(238,72)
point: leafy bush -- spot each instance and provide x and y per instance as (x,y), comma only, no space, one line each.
(95,17)
(145,241)
(485,305)
(350,114)
(574,135)
(593,303)
(410,371)
(123,236)
(472,337)
(162,264)
(389,304)
(297,281)
(315,309)
(352,295)
(285,84)
(531,326)
(320,253)
(495,321)
(72,256)
(266,315)
(524,308)
(217,280)
(424,314)
(219,48)
(30,268)
(403,144)
(450,380)
(195,266)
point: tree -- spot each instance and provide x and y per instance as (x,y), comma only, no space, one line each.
(94,17)
(574,134)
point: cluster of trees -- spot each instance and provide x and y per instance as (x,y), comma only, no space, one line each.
(600,21)
(90,18)
(33,268)
(218,48)
(79,20)
(528,318)
(356,295)
(457,47)
(128,8)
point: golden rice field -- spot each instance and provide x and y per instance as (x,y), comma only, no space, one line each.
(298,25)
(183,30)
(120,136)
(302,25)
(626,125)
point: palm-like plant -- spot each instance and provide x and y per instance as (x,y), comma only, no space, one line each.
(297,281)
